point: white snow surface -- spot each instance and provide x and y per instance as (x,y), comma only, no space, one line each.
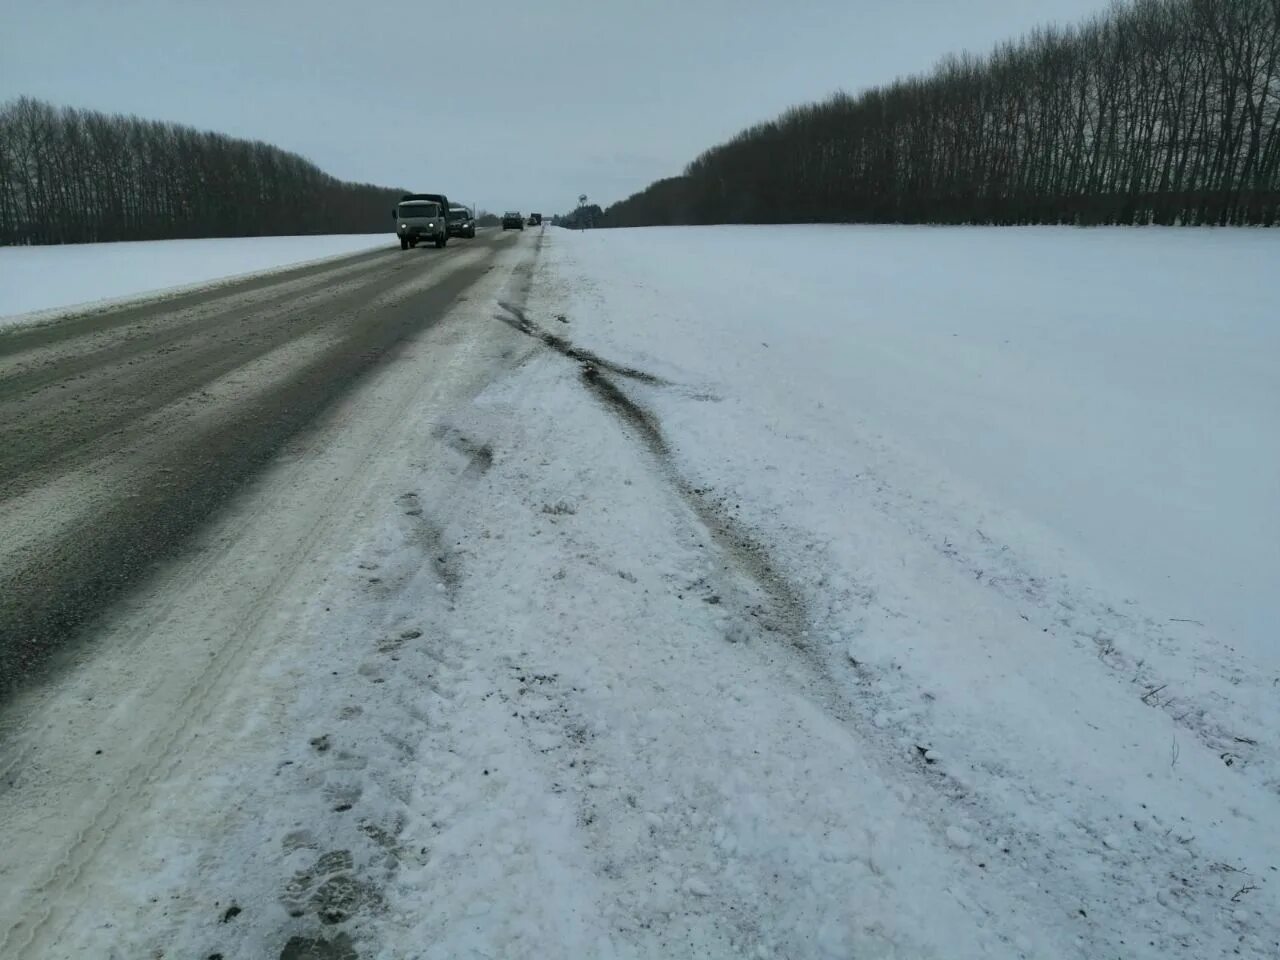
(1116,388)
(37,281)
(1024,482)
(764,636)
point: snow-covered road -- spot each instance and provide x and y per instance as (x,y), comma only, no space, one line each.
(672,597)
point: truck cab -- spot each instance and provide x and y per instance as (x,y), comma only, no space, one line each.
(422,218)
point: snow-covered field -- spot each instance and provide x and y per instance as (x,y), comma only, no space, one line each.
(46,279)
(804,593)
(1113,392)
(1023,485)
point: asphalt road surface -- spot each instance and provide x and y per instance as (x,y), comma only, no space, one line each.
(123,430)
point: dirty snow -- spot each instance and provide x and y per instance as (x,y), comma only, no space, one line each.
(626,615)
(42,280)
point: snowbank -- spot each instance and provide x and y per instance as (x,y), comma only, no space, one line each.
(53,278)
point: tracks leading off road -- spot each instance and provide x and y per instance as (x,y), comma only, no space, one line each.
(123,430)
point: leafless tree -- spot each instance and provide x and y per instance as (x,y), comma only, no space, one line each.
(74,176)
(1158,111)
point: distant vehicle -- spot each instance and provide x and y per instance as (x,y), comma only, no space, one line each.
(535,219)
(421,217)
(461,222)
(511,220)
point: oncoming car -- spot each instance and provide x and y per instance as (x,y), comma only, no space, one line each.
(511,220)
(420,218)
(461,222)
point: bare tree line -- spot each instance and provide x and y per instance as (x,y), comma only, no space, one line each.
(77,176)
(1157,111)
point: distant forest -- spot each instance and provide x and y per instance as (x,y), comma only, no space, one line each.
(78,176)
(1159,111)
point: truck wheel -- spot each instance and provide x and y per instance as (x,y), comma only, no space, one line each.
(404,244)
(440,242)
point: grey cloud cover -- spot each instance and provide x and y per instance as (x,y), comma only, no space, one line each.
(527,103)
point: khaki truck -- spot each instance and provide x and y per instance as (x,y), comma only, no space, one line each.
(422,218)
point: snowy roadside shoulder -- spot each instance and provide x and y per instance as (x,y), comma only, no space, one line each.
(633,757)
(41,284)
(555,707)
(1017,706)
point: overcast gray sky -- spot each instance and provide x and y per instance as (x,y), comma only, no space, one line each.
(506,103)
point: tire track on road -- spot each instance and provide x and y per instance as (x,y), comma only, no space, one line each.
(74,326)
(61,587)
(80,405)
(191,705)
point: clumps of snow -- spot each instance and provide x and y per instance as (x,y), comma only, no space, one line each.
(697,887)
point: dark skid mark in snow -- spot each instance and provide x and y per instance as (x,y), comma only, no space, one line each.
(787,610)
(786,613)
(516,317)
(480,455)
(429,538)
(481,461)
(306,948)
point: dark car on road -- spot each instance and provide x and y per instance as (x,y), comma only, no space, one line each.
(535,219)
(461,223)
(511,220)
